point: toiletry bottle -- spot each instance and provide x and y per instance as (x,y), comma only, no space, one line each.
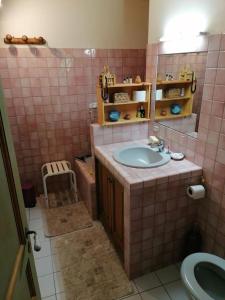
(182,92)
(138,114)
(142,111)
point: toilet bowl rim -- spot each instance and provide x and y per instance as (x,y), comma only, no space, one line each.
(187,272)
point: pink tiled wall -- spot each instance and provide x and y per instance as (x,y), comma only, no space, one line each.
(47,93)
(178,141)
(151,62)
(208,150)
(151,71)
(160,216)
(118,134)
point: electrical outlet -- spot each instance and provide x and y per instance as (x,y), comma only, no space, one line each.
(93,105)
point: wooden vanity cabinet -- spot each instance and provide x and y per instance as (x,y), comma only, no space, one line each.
(111,205)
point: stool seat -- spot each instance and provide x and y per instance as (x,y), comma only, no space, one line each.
(58,168)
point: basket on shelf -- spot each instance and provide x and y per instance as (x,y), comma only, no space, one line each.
(121,98)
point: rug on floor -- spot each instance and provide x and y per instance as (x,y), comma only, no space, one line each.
(65,219)
(58,198)
(89,266)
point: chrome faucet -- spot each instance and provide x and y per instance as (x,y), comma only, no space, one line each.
(161,145)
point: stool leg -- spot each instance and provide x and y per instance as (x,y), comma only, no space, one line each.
(71,180)
(45,191)
(71,175)
(74,184)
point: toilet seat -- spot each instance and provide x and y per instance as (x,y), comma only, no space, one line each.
(188,274)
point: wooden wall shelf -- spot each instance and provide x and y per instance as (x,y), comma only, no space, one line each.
(164,104)
(129,108)
(24,40)
(125,103)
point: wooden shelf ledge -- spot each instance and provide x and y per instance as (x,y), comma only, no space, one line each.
(122,85)
(170,117)
(125,103)
(171,82)
(172,99)
(122,121)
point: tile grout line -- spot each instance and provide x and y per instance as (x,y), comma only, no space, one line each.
(140,296)
(54,284)
(167,292)
(50,256)
(158,278)
(52,267)
(164,285)
(155,287)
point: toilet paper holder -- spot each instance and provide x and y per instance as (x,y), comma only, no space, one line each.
(196,191)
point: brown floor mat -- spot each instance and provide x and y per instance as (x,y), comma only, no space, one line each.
(89,266)
(65,219)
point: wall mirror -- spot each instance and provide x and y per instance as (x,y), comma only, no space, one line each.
(179,90)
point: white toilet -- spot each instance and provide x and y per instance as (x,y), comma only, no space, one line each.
(203,275)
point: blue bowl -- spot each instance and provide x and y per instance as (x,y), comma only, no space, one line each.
(175,109)
(114,115)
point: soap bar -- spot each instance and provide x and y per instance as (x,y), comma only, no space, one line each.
(153,140)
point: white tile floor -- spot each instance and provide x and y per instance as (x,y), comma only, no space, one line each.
(164,284)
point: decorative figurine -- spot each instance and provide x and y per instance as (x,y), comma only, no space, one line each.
(138,79)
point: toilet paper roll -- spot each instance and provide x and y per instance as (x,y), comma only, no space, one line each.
(196,191)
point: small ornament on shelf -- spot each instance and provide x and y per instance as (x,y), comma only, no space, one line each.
(138,79)
(163,113)
(106,78)
(127,116)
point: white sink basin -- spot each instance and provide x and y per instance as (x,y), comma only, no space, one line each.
(140,156)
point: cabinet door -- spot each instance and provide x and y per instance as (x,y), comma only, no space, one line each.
(110,203)
(105,182)
(118,218)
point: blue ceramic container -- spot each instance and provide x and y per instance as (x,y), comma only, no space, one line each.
(175,109)
(114,115)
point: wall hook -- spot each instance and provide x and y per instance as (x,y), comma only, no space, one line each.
(24,40)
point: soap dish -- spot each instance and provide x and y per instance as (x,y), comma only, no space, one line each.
(177,156)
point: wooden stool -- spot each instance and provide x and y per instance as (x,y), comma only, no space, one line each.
(58,168)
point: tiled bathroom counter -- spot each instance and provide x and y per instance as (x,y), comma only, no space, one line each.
(137,177)
(157,210)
